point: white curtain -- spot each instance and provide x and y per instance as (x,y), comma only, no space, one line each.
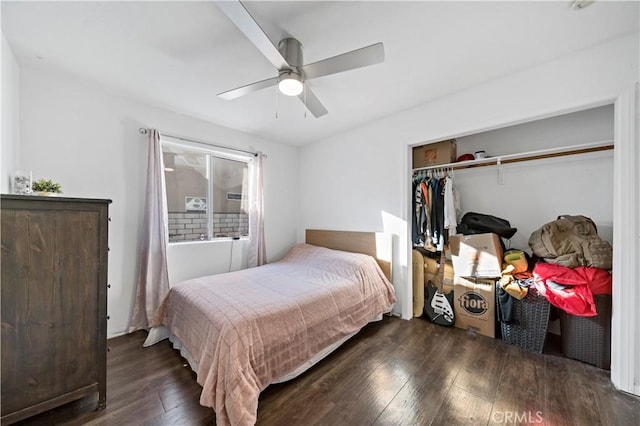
(257,253)
(153,277)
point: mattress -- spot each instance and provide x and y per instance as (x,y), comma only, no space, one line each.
(244,330)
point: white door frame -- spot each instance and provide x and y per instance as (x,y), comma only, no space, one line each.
(625,324)
(625,352)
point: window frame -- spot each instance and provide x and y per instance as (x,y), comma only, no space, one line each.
(210,151)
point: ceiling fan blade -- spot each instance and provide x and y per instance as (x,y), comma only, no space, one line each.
(249,88)
(312,103)
(241,17)
(358,58)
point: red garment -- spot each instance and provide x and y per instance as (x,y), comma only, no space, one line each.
(581,284)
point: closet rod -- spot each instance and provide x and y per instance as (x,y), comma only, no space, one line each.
(144,131)
(525,156)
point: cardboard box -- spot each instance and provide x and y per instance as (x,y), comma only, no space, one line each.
(434,154)
(431,272)
(474,304)
(477,255)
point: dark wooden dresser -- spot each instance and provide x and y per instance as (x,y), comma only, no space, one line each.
(54,302)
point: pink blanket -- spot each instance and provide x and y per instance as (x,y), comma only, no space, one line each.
(247,328)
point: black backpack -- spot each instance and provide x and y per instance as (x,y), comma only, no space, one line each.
(478,223)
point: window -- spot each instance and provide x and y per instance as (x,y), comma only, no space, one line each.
(206,193)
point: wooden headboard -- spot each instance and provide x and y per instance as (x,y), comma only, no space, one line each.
(375,244)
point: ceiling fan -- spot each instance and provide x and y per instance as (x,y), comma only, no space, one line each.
(287,59)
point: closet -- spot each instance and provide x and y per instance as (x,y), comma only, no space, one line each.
(539,170)
(54,303)
(560,165)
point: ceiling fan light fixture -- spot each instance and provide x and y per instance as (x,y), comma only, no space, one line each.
(290,83)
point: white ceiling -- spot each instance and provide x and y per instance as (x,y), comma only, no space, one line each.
(179,55)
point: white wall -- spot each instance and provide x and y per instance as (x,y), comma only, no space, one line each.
(532,193)
(369,170)
(589,125)
(537,192)
(353,182)
(10,117)
(87,139)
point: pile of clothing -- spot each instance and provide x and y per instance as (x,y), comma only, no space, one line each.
(570,265)
(572,289)
(515,283)
(576,264)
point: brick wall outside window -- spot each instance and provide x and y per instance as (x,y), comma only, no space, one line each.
(191,226)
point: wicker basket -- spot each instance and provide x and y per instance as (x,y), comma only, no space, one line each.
(531,316)
(588,339)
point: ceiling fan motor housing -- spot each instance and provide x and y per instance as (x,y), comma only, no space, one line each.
(291,51)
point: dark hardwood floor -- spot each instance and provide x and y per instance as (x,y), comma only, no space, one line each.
(393,372)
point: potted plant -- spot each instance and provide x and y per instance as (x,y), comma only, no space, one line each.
(46,187)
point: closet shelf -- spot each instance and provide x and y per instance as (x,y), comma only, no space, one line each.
(525,156)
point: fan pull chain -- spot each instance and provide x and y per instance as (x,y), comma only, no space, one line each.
(304,87)
(277,97)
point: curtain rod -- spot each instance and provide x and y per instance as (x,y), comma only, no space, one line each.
(144,131)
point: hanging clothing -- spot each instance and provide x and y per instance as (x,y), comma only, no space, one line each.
(426,211)
(434,185)
(435,211)
(441,241)
(450,207)
(417,209)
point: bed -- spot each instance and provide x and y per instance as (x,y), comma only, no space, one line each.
(244,330)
